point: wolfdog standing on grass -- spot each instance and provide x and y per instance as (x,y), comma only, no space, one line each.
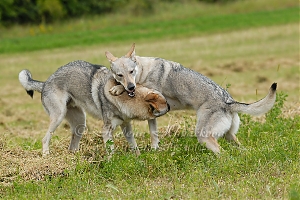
(217,111)
(80,86)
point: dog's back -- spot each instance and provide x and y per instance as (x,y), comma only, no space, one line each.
(73,83)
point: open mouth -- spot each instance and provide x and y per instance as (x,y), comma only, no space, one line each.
(131,93)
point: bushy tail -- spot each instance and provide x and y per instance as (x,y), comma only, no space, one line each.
(258,108)
(28,83)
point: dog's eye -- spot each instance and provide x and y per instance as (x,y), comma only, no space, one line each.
(120,75)
(131,72)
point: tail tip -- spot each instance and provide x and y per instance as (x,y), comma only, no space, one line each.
(274,86)
(30,93)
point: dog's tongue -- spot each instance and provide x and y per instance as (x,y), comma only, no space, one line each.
(131,93)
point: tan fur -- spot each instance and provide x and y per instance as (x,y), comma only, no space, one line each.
(139,106)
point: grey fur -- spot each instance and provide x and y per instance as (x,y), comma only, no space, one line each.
(80,86)
(186,89)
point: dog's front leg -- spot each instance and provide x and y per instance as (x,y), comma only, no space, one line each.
(127,131)
(153,133)
(108,138)
(117,90)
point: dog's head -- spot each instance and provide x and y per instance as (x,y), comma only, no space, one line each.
(157,104)
(124,69)
(147,103)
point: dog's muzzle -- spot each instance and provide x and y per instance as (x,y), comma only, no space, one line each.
(131,89)
(158,113)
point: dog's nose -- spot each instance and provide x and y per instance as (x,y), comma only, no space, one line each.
(130,86)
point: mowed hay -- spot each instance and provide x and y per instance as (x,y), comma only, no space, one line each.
(30,165)
(17,163)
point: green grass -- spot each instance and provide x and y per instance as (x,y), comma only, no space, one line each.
(152,30)
(267,167)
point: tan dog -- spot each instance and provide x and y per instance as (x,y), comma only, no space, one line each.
(80,86)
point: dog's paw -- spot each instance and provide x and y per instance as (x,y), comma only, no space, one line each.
(155,147)
(46,153)
(117,90)
(137,152)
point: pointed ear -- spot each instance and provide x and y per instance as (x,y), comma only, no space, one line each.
(110,57)
(151,97)
(131,52)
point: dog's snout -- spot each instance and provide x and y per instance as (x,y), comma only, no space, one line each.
(131,86)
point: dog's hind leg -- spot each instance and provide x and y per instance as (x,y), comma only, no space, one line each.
(230,135)
(210,143)
(211,126)
(203,131)
(76,118)
(56,108)
(153,133)
(127,131)
(56,117)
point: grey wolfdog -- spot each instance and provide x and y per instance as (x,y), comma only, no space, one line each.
(80,86)
(217,111)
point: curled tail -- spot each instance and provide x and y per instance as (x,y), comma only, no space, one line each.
(29,84)
(258,108)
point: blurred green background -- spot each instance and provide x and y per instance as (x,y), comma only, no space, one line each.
(28,25)
(44,11)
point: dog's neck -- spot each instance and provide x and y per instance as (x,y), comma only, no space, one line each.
(144,67)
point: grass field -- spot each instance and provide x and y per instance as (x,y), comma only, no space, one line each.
(245,46)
